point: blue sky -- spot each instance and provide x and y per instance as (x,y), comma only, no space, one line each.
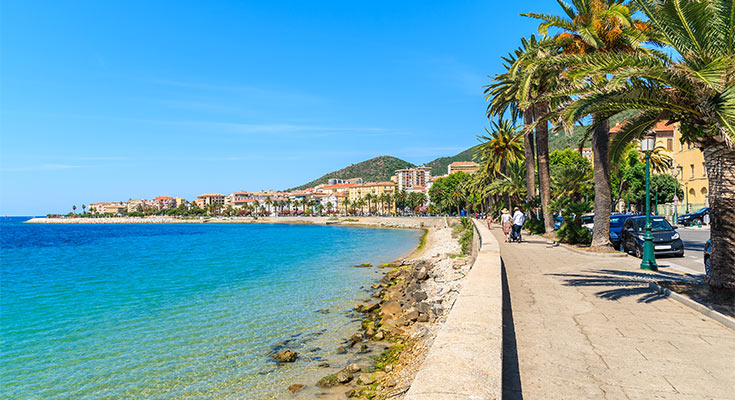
(107,101)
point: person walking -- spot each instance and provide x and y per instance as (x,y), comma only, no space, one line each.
(519,218)
(506,222)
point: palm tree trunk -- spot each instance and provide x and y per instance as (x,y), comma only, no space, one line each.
(544,176)
(603,190)
(720,163)
(530,160)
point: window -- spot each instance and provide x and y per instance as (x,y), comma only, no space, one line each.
(704,170)
(692,167)
(670,144)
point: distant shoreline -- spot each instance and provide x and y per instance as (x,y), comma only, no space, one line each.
(387,222)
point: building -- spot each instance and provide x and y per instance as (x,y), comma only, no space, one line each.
(587,153)
(688,162)
(163,202)
(359,193)
(410,177)
(108,208)
(180,201)
(336,188)
(137,205)
(207,199)
(468,167)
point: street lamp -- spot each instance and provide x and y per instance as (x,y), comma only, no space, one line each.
(649,259)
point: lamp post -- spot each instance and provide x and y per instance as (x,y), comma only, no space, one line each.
(649,259)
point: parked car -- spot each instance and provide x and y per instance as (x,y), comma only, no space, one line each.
(707,253)
(616,225)
(666,240)
(588,221)
(697,217)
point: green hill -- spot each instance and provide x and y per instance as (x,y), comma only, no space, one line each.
(439,166)
(373,170)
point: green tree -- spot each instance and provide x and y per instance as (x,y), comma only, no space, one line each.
(698,91)
(592,27)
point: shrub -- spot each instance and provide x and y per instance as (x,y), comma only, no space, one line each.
(535,226)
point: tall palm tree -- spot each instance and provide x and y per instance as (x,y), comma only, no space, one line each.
(524,86)
(660,160)
(698,91)
(74,208)
(501,145)
(512,183)
(591,27)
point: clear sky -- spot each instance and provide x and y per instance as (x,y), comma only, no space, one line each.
(112,100)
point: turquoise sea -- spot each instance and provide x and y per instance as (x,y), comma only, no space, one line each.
(175,311)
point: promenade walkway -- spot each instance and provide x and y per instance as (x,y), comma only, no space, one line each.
(588,327)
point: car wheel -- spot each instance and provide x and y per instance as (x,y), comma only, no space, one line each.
(638,252)
(696,221)
(680,254)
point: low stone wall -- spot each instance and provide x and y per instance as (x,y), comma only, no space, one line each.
(466,359)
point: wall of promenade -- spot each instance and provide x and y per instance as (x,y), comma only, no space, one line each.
(466,359)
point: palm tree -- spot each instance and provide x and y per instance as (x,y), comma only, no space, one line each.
(593,27)
(660,159)
(512,183)
(698,91)
(74,208)
(525,85)
(499,147)
(84,206)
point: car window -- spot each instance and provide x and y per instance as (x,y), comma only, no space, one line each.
(588,219)
(657,225)
(701,210)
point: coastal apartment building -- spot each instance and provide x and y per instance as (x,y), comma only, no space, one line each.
(204,200)
(108,208)
(337,181)
(163,202)
(467,167)
(376,189)
(337,188)
(410,177)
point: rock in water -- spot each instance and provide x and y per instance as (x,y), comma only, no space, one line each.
(353,368)
(296,387)
(286,356)
(341,350)
(344,376)
(365,265)
(328,381)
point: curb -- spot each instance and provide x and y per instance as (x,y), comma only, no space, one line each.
(719,317)
(588,253)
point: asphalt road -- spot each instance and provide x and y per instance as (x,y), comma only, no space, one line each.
(694,239)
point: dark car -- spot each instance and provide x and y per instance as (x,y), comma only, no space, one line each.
(666,241)
(707,253)
(695,218)
(616,226)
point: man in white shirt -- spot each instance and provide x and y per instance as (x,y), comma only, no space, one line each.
(518,220)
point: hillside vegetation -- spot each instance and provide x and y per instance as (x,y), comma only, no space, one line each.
(439,166)
(373,170)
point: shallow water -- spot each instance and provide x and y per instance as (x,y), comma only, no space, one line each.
(178,310)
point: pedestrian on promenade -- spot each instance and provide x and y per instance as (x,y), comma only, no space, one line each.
(518,220)
(507,222)
(489,220)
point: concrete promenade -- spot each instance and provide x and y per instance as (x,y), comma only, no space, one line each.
(465,360)
(587,327)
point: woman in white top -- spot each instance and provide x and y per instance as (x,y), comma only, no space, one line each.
(507,223)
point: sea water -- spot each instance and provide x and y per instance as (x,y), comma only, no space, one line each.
(174,311)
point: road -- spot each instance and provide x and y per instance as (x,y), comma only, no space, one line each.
(694,239)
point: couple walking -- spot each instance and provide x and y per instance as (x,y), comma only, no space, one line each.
(512,225)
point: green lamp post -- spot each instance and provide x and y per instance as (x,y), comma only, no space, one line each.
(649,258)
(676,171)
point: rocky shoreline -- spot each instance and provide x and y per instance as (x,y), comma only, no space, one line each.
(400,320)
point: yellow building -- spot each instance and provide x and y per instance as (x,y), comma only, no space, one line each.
(207,199)
(359,192)
(688,162)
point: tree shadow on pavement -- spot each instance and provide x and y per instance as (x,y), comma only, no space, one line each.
(625,283)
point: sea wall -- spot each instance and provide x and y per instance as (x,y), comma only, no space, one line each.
(466,359)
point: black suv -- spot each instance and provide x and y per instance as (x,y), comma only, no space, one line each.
(666,241)
(697,217)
